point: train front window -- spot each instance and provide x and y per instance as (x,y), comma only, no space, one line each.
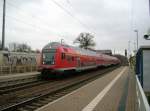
(48,57)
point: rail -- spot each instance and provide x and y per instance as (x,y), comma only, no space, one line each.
(141,98)
(17,69)
(53,91)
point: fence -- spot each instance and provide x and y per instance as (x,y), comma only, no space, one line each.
(141,98)
(17,69)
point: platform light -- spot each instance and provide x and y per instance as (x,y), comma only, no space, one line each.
(137,37)
(147,37)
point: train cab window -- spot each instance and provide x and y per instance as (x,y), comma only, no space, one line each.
(63,56)
(49,57)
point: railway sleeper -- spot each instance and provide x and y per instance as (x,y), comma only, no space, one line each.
(36,104)
(22,109)
(60,94)
(42,102)
(30,107)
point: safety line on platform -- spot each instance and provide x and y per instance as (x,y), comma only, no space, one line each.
(99,97)
(39,109)
(122,103)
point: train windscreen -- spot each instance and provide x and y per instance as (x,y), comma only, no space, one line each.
(49,57)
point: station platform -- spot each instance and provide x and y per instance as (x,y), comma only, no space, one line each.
(113,92)
(17,76)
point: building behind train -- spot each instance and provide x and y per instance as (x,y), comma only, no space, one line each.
(16,62)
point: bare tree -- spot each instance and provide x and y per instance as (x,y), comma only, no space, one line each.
(23,48)
(13,46)
(16,47)
(85,40)
(37,51)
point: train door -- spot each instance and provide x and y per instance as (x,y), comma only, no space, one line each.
(78,62)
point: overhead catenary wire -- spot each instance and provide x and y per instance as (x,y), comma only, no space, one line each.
(74,10)
(22,12)
(64,9)
(69,13)
(28,24)
(69,3)
(45,25)
(60,6)
(149,7)
(34,27)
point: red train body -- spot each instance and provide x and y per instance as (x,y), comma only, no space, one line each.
(59,58)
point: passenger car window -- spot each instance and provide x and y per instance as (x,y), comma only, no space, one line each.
(63,56)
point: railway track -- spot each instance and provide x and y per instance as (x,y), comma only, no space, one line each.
(53,91)
(12,88)
(13,81)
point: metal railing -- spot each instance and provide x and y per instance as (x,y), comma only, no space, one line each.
(17,69)
(141,98)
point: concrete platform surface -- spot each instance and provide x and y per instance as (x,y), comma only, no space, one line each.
(108,93)
(18,76)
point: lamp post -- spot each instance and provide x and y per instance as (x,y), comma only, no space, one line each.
(133,43)
(137,37)
(129,48)
(62,41)
(3,25)
(147,36)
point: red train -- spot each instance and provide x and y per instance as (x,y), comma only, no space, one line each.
(58,58)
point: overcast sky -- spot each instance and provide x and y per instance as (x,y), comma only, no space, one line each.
(112,22)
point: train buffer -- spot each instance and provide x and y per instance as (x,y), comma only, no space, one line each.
(116,91)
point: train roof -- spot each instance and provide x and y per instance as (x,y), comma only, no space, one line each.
(55,45)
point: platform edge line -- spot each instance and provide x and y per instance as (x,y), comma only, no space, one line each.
(39,109)
(99,97)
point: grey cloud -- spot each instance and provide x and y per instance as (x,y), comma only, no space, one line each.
(112,21)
